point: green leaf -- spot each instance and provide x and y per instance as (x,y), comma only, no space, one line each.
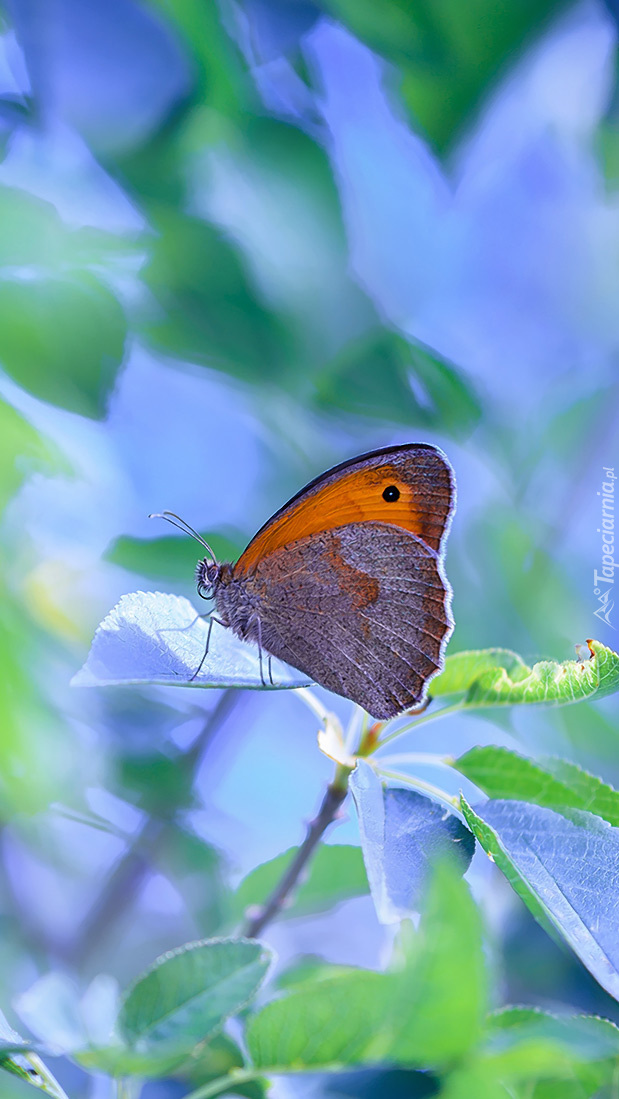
(29,727)
(211,313)
(205,1062)
(149,637)
(62,339)
(222,81)
(426,1011)
(372,377)
(189,993)
(119,1061)
(32,1068)
(498,677)
(565,866)
(588,1037)
(217,1058)
(454,405)
(335,873)
(199,871)
(31,231)
(441,1003)
(449,53)
(307,969)
(369,378)
(463,670)
(33,235)
(328,1024)
(403,834)
(18,1058)
(530,1053)
(576,1054)
(156,781)
(490,843)
(501,773)
(476,1079)
(17,437)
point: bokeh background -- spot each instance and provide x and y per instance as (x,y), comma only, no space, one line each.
(240,243)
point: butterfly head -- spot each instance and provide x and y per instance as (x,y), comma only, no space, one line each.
(207,575)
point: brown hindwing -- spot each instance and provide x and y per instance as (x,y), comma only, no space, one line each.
(364,610)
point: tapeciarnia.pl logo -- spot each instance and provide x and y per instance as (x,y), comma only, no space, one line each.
(603,581)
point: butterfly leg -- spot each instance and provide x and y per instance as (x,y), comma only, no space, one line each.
(181,629)
(256,619)
(208,641)
(270,667)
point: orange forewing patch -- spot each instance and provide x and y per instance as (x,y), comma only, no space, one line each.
(352,498)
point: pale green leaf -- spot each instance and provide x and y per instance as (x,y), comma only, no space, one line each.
(441,1003)
(498,677)
(18,1058)
(427,1010)
(501,773)
(335,873)
(151,637)
(588,1037)
(325,1025)
(463,669)
(188,994)
(530,1054)
(218,1058)
(489,841)
(565,866)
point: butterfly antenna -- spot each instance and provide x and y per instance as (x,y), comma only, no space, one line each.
(180,524)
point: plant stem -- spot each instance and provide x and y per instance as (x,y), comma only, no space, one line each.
(334,796)
(309,698)
(118,891)
(224,1083)
(126,878)
(424,759)
(128,1088)
(419,784)
(434,715)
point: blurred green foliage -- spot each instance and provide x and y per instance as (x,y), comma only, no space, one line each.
(48,329)
(447,53)
(114,846)
(169,558)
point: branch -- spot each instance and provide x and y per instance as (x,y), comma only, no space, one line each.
(329,809)
(129,873)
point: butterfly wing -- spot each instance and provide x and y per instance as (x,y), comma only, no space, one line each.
(363,609)
(353,492)
(346,581)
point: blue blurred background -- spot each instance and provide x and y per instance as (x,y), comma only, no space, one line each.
(238,244)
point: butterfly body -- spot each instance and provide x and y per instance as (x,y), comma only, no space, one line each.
(346,582)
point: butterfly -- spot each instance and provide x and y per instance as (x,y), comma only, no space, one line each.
(346,581)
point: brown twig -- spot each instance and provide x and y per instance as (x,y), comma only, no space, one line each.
(331,802)
(127,876)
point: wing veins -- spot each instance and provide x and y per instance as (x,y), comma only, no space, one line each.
(362,670)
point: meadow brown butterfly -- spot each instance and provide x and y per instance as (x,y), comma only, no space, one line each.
(346,582)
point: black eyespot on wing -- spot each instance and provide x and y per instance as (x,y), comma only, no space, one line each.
(391,494)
